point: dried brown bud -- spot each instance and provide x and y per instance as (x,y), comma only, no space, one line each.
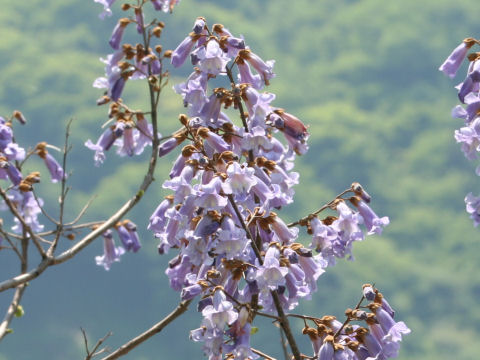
(188,150)
(157,31)
(70,236)
(167,54)
(125,7)
(23,187)
(203,132)
(124,22)
(183,119)
(103,100)
(19,116)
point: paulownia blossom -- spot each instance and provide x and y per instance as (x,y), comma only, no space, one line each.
(468,92)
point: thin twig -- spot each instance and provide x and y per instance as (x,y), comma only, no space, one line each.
(42,209)
(155,329)
(326,206)
(14,247)
(12,309)
(82,212)
(94,352)
(258,352)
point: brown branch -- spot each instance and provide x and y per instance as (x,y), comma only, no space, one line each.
(155,329)
(284,343)
(286,326)
(94,352)
(265,356)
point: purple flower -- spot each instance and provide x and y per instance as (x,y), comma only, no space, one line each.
(180,54)
(211,58)
(111,253)
(264,69)
(117,33)
(29,208)
(469,136)
(473,208)
(232,240)
(167,146)
(139,20)
(240,179)
(214,140)
(158,220)
(208,195)
(56,171)
(14,152)
(245,75)
(199,25)
(125,237)
(106,7)
(271,275)
(373,223)
(471,82)
(221,313)
(11,172)
(164,5)
(104,142)
(193,91)
(6,135)
(455,59)
(294,130)
(285,234)
(326,351)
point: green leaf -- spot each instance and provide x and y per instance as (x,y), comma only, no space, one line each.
(254,330)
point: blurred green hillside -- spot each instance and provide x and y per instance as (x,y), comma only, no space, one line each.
(362,73)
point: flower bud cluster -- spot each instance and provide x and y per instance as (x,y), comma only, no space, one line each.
(369,332)
(468,93)
(19,193)
(228,184)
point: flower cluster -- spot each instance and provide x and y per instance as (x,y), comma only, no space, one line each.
(228,183)
(127,129)
(127,232)
(469,96)
(378,338)
(20,190)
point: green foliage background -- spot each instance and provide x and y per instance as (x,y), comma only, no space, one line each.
(363,74)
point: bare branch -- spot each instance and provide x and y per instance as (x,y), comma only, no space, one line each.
(12,309)
(155,329)
(94,352)
(82,212)
(258,352)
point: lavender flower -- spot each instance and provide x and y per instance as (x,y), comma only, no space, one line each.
(473,208)
(106,7)
(117,33)
(455,59)
(111,252)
